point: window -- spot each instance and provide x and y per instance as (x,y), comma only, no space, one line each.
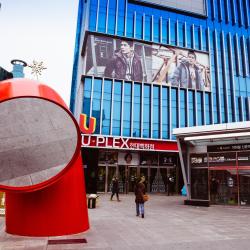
(106,107)
(127,109)
(116,126)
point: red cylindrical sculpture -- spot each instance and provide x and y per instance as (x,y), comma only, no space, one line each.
(40,162)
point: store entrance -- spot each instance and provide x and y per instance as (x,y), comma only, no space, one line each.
(230,187)
(224,188)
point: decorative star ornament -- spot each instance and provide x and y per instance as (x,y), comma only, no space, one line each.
(37,68)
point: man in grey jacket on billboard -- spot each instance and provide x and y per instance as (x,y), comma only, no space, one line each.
(187,74)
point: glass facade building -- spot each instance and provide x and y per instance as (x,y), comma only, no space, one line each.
(148,109)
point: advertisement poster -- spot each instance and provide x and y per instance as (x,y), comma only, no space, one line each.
(128,158)
(136,61)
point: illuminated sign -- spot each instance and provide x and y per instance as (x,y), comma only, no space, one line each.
(141,62)
(193,6)
(127,143)
(83,124)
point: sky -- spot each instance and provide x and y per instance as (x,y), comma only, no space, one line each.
(40,30)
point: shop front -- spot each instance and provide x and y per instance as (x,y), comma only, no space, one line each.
(216,164)
(222,177)
(138,158)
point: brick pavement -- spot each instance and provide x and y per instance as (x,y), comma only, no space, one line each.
(168,224)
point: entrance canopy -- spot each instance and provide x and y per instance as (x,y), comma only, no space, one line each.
(219,134)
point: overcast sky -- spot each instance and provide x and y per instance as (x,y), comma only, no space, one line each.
(41,30)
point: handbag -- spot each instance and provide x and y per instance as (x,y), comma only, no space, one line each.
(145,197)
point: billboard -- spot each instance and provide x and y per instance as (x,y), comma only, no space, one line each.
(136,61)
(194,6)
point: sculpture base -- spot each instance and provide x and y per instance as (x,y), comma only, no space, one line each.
(59,209)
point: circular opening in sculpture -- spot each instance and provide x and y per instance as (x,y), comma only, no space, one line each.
(38,139)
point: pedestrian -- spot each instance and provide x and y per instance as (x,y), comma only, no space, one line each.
(140,191)
(115,188)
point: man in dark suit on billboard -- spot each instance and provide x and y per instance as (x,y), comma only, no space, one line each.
(125,64)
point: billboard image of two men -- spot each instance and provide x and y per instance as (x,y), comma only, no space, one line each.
(140,62)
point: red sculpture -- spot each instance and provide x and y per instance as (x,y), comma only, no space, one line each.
(43,176)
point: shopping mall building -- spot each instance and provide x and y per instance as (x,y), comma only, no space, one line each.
(144,68)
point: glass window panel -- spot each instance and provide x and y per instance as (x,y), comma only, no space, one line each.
(87,97)
(96,103)
(111,19)
(92,15)
(137,110)
(156,112)
(116,123)
(191,111)
(165,112)
(146,111)
(127,109)
(102,16)
(183,114)
(174,110)
(106,109)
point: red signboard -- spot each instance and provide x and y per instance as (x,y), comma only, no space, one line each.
(127,143)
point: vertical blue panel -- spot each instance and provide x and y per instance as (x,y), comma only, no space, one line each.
(102,16)
(137,110)
(139,25)
(127,109)
(111,19)
(106,107)
(116,125)
(156,112)
(165,113)
(146,110)
(200,109)
(208,108)
(174,109)
(181,33)
(173,32)
(164,31)
(87,96)
(156,29)
(92,15)
(130,24)
(96,103)
(121,18)
(147,27)
(183,108)
(191,106)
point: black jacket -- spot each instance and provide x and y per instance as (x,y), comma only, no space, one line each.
(118,66)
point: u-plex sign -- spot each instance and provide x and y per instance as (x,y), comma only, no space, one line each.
(127,143)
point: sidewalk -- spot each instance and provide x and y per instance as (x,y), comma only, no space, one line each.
(168,224)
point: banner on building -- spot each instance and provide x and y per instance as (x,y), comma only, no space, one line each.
(193,6)
(136,61)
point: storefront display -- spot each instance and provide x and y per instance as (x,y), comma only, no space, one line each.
(160,170)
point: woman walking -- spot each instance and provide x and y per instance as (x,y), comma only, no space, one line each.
(140,190)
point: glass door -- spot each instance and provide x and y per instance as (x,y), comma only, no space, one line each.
(223,186)
(122,178)
(153,180)
(101,178)
(244,186)
(163,180)
(132,176)
(111,173)
(144,172)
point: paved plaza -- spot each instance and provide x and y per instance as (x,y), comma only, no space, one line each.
(168,224)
